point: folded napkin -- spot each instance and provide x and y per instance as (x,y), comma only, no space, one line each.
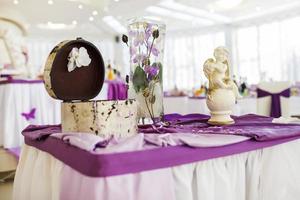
(91,142)
(40,132)
(193,140)
(141,141)
(83,140)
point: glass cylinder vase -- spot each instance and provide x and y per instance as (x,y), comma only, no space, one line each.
(146,44)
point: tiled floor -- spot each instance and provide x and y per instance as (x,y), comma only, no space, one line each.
(6,190)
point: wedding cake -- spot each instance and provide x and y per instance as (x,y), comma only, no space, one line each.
(74,72)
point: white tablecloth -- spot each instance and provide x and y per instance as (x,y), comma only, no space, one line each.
(185,105)
(265,174)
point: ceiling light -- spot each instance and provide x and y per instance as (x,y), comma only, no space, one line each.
(257,8)
(116,0)
(91,18)
(227,4)
(95,12)
(74,22)
(195,11)
(55,26)
(16,2)
(177,15)
(154,18)
(80,6)
(50,2)
(114,24)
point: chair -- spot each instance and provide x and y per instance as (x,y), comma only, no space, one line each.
(273,99)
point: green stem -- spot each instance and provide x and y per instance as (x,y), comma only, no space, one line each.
(149,110)
(151,48)
(152,91)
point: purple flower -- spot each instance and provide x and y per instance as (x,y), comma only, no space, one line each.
(138,58)
(154,51)
(151,71)
(132,51)
(148,31)
(139,39)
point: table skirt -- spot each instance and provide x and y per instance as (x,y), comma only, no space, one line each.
(269,174)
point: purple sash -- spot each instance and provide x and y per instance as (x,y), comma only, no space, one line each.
(116,90)
(275,102)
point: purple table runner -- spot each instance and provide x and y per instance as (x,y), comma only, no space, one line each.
(261,129)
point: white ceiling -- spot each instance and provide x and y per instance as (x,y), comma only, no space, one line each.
(178,14)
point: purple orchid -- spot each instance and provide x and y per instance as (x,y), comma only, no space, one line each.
(138,58)
(151,71)
(148,31)
(154,51)
(139,39)
(132,51)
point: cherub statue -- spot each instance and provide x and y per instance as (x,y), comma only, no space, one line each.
(217,72)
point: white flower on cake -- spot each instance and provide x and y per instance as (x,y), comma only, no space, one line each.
(78,58)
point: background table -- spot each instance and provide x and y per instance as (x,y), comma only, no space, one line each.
(30,98)
(185,105)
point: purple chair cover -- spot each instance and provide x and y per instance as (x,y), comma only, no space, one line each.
(16,151)
(275,102)
(117,90)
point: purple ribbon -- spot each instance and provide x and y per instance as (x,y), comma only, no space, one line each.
(275,102)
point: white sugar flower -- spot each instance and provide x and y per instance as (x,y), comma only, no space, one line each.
(78,58)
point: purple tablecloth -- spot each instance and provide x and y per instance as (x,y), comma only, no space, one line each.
(20,81)
(263,132)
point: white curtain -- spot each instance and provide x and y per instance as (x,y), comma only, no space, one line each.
(268,51)
(184,58)
(39,50)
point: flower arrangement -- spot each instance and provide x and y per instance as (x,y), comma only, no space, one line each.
(146,53)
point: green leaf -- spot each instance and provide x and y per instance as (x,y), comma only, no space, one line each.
(139,79)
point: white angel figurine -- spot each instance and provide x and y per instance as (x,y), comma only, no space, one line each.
(217,72)
(222,91)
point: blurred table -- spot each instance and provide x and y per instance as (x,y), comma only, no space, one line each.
(24,102)
(185,105)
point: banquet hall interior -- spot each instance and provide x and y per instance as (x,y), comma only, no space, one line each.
(150,99)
